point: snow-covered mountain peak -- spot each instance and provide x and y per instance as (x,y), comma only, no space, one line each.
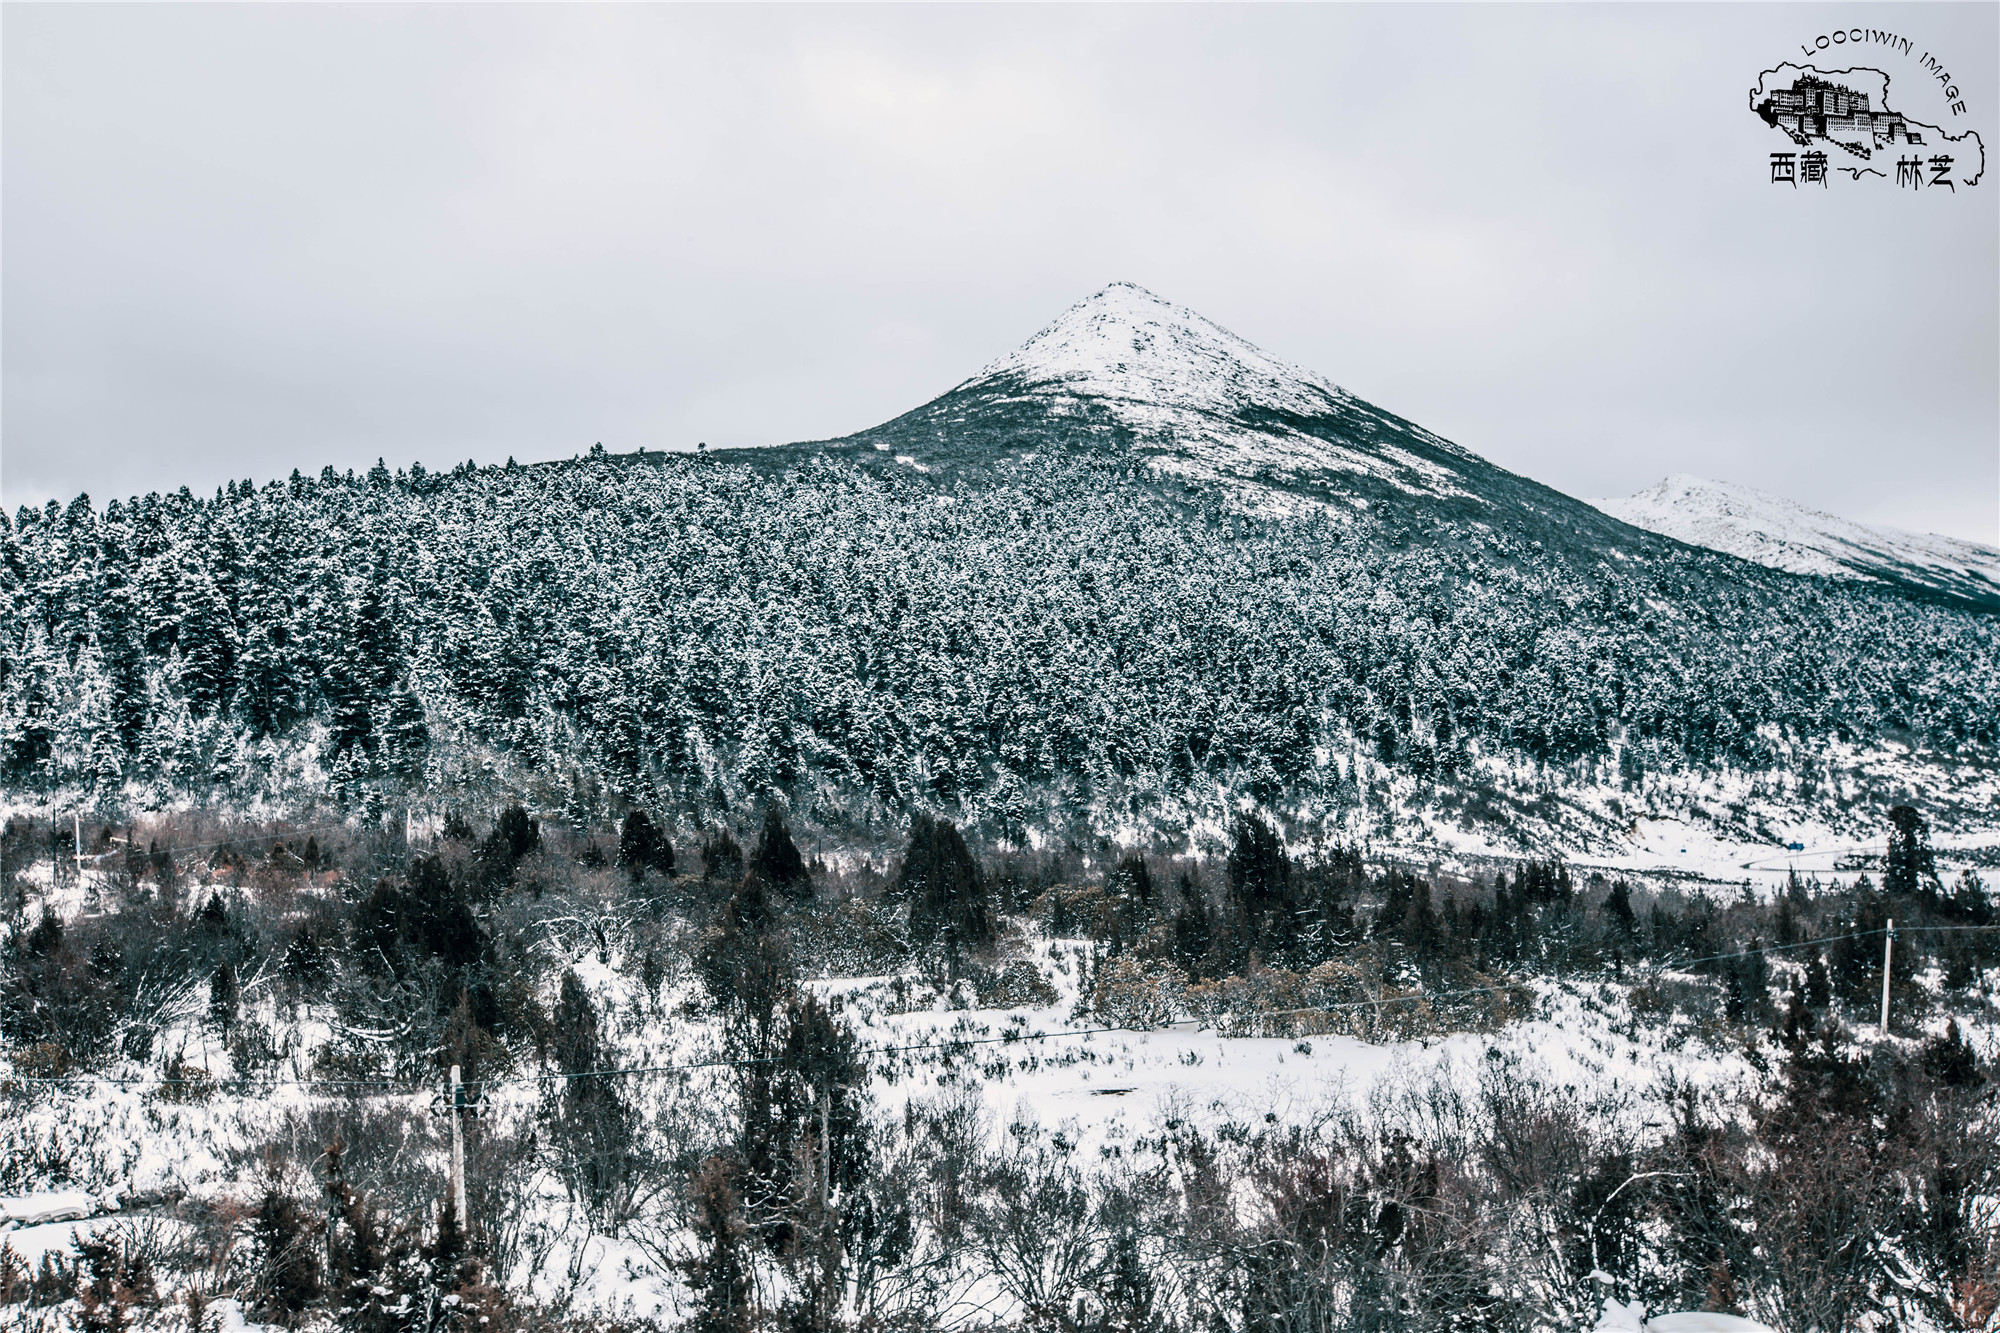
(1124,343)
(1201,405)
(1784,534)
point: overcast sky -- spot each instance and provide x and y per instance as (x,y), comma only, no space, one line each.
(240,240)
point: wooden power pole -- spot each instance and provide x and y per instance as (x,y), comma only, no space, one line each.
(457,1105)
(1888,951)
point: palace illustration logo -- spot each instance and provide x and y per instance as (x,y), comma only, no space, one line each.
(1840,122)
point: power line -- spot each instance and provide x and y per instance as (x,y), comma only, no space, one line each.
(1341,1006)
(525,1080)
(175,847)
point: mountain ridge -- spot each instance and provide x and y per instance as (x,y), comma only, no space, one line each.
(1782,534)
(1197,408)
(1199,411)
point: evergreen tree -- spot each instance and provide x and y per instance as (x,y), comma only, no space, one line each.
(1910,866)
(269,694)
(404,731)
(514,838)
(207,643)
(27,705)
(643,847)
(378,644)
(1969,901)
(776,859)
(946,894)
(721,857)
(1951,1060)
(1193,932)
(344,681)
(745,967)
(1260,904)
(588,1119)
(1133,881)
(804,1138)
(1260,871)
(1787,925)
(436,919)
(225,999)
(1746,985)
(124,657)
(286,1262)
(1855,959)
(1618,906)
(719,1271)
(1421,932)
(1819,983)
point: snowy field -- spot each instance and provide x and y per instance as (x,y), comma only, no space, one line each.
(125,1148)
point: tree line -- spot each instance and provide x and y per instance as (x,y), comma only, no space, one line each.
(693,636)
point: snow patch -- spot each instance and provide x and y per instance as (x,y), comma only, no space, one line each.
(29,1210)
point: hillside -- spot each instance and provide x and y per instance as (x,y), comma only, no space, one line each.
(1128,577)
(1781,534)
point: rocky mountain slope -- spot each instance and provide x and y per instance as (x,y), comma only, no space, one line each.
(1782,534)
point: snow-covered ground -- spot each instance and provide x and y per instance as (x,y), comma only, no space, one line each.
(123,1145)
(1038,1066)
(1103,1088)
(1723,827)
(1100,1090)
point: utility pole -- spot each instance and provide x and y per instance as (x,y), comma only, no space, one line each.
(826,1233)
(1888,949)
(331,1184)
(458,1151)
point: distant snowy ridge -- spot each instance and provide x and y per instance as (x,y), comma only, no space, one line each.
(1786,535)
(1219,406)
